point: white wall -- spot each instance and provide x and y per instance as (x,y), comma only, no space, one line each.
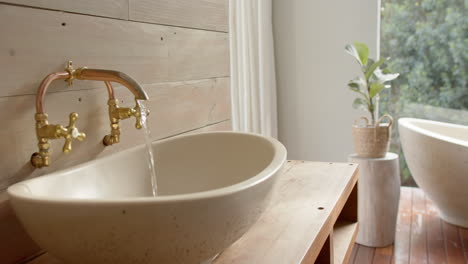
(314,103)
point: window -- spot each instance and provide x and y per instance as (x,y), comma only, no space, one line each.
(427,41)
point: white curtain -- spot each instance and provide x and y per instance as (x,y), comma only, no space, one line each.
(253,83)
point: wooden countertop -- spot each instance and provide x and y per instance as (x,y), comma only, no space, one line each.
(295,227)
(312,217)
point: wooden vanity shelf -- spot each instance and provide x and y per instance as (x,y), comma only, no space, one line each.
(312,218)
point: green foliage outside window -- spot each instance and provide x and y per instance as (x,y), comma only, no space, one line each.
(428,43)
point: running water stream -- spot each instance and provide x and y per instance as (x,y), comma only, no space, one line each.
(149,148)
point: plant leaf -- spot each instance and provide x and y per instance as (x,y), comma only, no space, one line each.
(353,52)
(361,93)
(359,51)
(382,76)
(370,62)
(353,86)
(373,67)
(363,52)
(360,104)
(358,83)
(375,88)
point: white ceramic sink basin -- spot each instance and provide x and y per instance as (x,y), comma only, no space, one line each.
(212,186)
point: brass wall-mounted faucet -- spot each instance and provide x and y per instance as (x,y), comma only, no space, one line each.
(46,132)
(117,113)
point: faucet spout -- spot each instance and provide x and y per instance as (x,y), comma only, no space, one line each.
(112,76)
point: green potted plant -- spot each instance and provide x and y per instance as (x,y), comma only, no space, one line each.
(372,139)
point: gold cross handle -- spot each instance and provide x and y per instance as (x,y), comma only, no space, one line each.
(70,133)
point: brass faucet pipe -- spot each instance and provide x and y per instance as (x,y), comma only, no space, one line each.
(107,76)
(110,90)
(43,88)
(112,76)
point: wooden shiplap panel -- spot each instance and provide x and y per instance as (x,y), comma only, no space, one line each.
(195,54)
(176,107)
(201,14)
(106,8)
(34,44)
(223,99)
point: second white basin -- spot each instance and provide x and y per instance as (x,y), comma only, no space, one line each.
(212,188)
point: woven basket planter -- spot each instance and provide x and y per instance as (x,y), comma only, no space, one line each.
(372,141)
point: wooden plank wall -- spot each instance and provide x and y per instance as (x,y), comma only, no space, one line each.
(178,50)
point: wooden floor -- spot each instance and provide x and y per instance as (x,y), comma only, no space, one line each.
(421,236)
